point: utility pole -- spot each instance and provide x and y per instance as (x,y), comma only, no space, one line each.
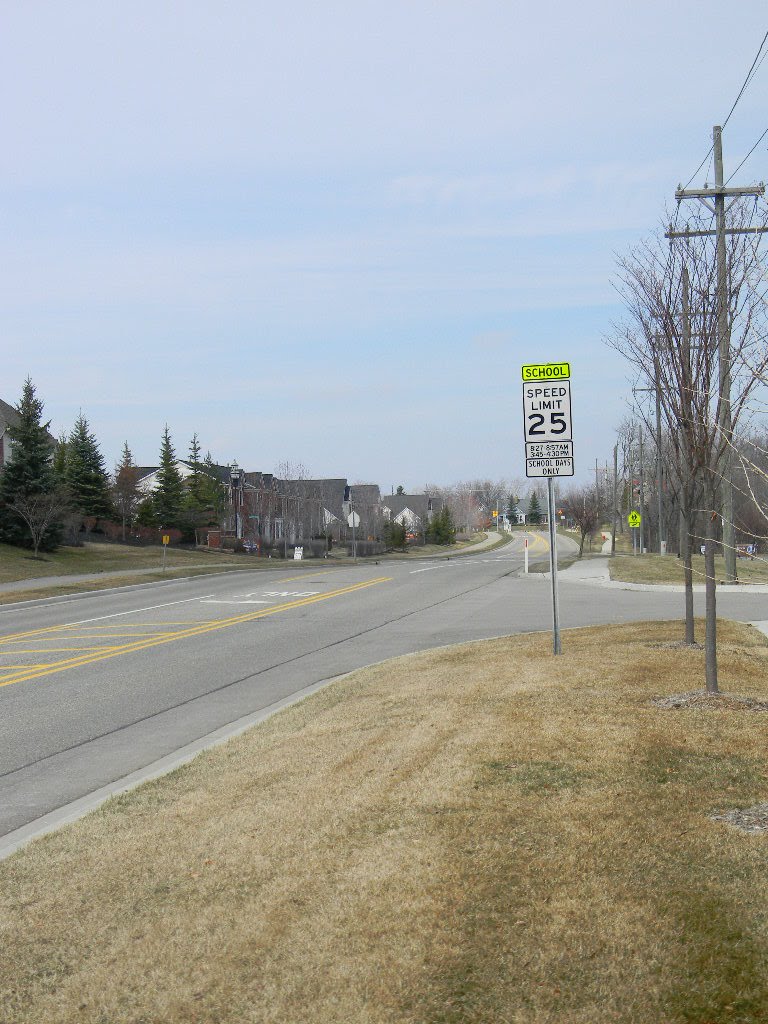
(642,497)
(659,481)
(718,195)
(615,504)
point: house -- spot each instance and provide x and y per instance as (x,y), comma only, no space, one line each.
(365,499)
(411,511)
(525,508)
(8,418)
(147,477)
(308,508)
(514,516)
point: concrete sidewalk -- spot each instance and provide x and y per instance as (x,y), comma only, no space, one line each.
(597,572)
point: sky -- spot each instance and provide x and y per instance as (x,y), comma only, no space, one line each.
(331,234)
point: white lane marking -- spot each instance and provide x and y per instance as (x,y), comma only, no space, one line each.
(234,600)
(290,593)
(428,568)
(133,611)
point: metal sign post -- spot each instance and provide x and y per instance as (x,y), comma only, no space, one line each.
(635,521)
(556,645)
(548,448)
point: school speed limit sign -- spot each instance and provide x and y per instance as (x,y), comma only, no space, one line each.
(547,419)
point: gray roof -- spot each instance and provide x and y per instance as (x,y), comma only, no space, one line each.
(417,503)
(330,491)
(366,495)
(8,415)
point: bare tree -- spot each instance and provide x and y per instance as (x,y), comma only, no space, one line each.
(291,476)
(751,512)
(672,301)
(39,511)
(582,506)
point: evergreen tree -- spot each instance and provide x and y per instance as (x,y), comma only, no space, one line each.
(441,529)
(394,535)
(534,510)
(168,499)
(125,490)
(85,473)
(28,473)
(60,458)
(194,480)
(213,493)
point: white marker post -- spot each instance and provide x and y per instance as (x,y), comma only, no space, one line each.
(526,556)
(548,448)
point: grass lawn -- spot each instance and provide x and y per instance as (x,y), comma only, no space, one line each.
(482,833)
(669,569)
(18,564)
(460,547)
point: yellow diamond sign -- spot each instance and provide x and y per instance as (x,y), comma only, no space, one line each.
(634,519)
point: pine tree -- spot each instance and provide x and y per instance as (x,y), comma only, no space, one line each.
(213,493)
(394,535)
(194,480)
(29,473)
(534,510)
(125,490)
(168,499)
(86,474)
(60,458)
(441,529)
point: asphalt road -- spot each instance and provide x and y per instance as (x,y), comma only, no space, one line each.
(96,687)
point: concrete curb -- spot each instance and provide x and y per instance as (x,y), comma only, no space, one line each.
(71,812)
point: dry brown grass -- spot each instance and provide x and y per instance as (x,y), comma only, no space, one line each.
(19,564)
(108,582)
(482,833)
(652,568)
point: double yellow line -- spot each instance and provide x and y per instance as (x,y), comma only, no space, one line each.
(198,629)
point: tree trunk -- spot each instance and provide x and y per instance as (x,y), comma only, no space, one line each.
(710,644)
(687,550)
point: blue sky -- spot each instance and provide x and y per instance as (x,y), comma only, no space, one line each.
(332,233)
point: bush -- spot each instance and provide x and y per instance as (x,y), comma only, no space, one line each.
(367,548)
(394,536)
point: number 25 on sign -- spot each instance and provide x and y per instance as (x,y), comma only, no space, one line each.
(547,410)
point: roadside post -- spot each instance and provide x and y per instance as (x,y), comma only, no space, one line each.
(526,556)
(354,521)
(548,448)
(166,542)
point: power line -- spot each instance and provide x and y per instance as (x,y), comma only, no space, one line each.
(749,154)
(750,75)
(709,153)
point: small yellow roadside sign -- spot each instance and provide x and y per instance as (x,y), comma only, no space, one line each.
(546,371)
(634,519)
(166,538)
